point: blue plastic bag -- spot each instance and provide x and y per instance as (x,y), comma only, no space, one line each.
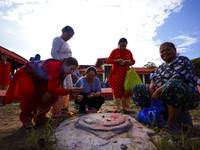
(157,113)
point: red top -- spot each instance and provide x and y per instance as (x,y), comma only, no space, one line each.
(53,70)
(5,70)
(50,77)
(118,72)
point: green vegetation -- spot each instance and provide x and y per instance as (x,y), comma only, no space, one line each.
(150,65)
(10,108)
(196,64)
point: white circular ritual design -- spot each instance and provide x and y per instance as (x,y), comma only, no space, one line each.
(104,125)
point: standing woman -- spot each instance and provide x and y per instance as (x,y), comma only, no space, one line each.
(5,68)
(61,50)
(121,58)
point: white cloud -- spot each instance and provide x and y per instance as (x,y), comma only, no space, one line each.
(5,3)
(185,40)
(181,50)
(98,25)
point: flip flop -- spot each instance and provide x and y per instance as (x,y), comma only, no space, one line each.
(172,128)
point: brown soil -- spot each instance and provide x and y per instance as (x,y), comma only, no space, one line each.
(13,137)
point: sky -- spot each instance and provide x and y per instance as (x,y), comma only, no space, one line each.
(28,27)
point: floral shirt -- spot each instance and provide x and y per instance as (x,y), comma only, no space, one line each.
(95,86)
(179,68)
(60,49)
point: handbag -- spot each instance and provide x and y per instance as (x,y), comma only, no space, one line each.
(132,78)
(157,113)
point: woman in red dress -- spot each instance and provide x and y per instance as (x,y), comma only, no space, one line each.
(5,73)
(36,85)
(121,58)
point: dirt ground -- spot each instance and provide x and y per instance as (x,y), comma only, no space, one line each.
(13,137)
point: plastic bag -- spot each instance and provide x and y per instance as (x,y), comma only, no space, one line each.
(157,113)
(131,80)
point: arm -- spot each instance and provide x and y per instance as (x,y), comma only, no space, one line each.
(10,70)
(157,92)
(98,89)
(129,62)
(111,59)
(151,88)
(53,82)
(56,46)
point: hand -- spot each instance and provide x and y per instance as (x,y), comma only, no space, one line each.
(79,98)
(127,62)
(76,90)
(119,60)
(46,97)
(91,95)
(155,95)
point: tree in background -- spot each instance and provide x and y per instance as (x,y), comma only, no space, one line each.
(150,65)
(196,64)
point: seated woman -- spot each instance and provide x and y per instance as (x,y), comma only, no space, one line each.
(36,85)
(174,83)
(91,94)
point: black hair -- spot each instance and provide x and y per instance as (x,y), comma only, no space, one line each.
(91,69)
(68,29)
(170,44)
(71,61)
(31,59)
(37,57)
(3,55)
(123,40)
(152,71)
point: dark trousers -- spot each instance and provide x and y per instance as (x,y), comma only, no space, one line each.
(95,102)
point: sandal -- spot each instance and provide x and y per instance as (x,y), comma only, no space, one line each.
(56,115)
(27,124)
(126,112)
(173,128)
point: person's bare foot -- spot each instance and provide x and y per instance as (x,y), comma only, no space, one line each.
(27,124)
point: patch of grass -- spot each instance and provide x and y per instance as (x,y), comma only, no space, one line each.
(164,144)
(196,111)
(186,140)
(111,104)
(128,135)
(32,139)
(44,139)
(71,104)
(8,109)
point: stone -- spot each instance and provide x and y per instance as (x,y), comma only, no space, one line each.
(104,125)
(81,132)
